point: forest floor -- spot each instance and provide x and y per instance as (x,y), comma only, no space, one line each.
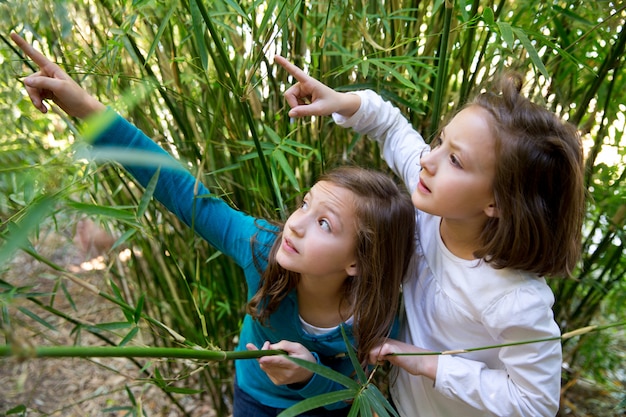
(113,387)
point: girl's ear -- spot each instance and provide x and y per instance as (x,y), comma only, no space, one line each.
(352,270)
(492,210)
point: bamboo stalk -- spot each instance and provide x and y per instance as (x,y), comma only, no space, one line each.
(564,336)
(24,352)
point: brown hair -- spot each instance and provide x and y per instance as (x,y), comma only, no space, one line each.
(538,185)
(385,224)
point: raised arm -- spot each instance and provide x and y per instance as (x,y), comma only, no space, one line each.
(177,189)
(310,97)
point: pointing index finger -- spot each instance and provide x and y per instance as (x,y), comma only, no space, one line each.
(31,52)
(296,72)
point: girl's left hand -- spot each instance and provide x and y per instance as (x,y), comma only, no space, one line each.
(281,370)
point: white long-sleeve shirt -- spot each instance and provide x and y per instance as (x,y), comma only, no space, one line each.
(452,303)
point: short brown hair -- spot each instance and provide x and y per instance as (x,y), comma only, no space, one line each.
(538,185)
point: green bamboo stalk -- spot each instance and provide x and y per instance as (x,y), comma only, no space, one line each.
(564,336)
(238,91)
(442,64)
(27,352)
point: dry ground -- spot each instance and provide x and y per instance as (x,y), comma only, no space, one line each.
(74,387)
(97,387)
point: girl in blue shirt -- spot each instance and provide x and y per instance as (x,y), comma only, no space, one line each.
(338,261)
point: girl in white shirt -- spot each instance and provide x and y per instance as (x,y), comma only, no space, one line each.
(499,200)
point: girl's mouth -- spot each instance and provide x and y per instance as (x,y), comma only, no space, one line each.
(422,187)
(288,246)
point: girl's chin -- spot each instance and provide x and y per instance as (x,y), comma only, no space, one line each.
(282,261)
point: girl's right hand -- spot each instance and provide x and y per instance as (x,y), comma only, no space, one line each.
(309,97)
(414,364)
(52,83)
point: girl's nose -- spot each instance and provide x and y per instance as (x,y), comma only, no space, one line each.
(295,223)
(427,160)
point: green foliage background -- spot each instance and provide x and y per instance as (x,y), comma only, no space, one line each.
(197,76)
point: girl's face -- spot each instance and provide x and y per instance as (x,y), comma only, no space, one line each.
(319,239)
(456,181)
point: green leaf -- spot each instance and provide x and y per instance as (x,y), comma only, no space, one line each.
(36,318)
(488,16)
(198,29)
(317,401)
(124,238)
(129,336)
(356,407)
(19,232)
(365,409)
(164,22)
(352,354)
(286,168)
(130,396)
(182,390)
(507,33)
(139,308)
(326,372)
(113,325)
(97,124)
(17,410)
(378,402)
(68,296)
(532,52)
(106,211)
(148,193)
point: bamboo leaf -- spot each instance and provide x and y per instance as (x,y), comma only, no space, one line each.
(317,401)
(488,16)
(131,396)
(37,318)
(360,373)
(182,390)
(68,296)
(17,410)
(18,232)
(286,168)
(378,402)
(507,34)
(148,193)
(124,238)
(326,372)
(198,27)
(122,214)
(532,52)
(157,38)
(114,325)
(396,75)
(139,308)
(129,336)
(355,409)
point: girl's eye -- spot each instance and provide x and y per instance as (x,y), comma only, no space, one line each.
(436,142)
(304,205)
(325,225)
(455,161)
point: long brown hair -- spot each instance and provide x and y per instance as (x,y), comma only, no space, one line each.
(538,185)
(385,224)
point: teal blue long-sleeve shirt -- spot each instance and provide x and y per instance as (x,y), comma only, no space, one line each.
(231,232)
